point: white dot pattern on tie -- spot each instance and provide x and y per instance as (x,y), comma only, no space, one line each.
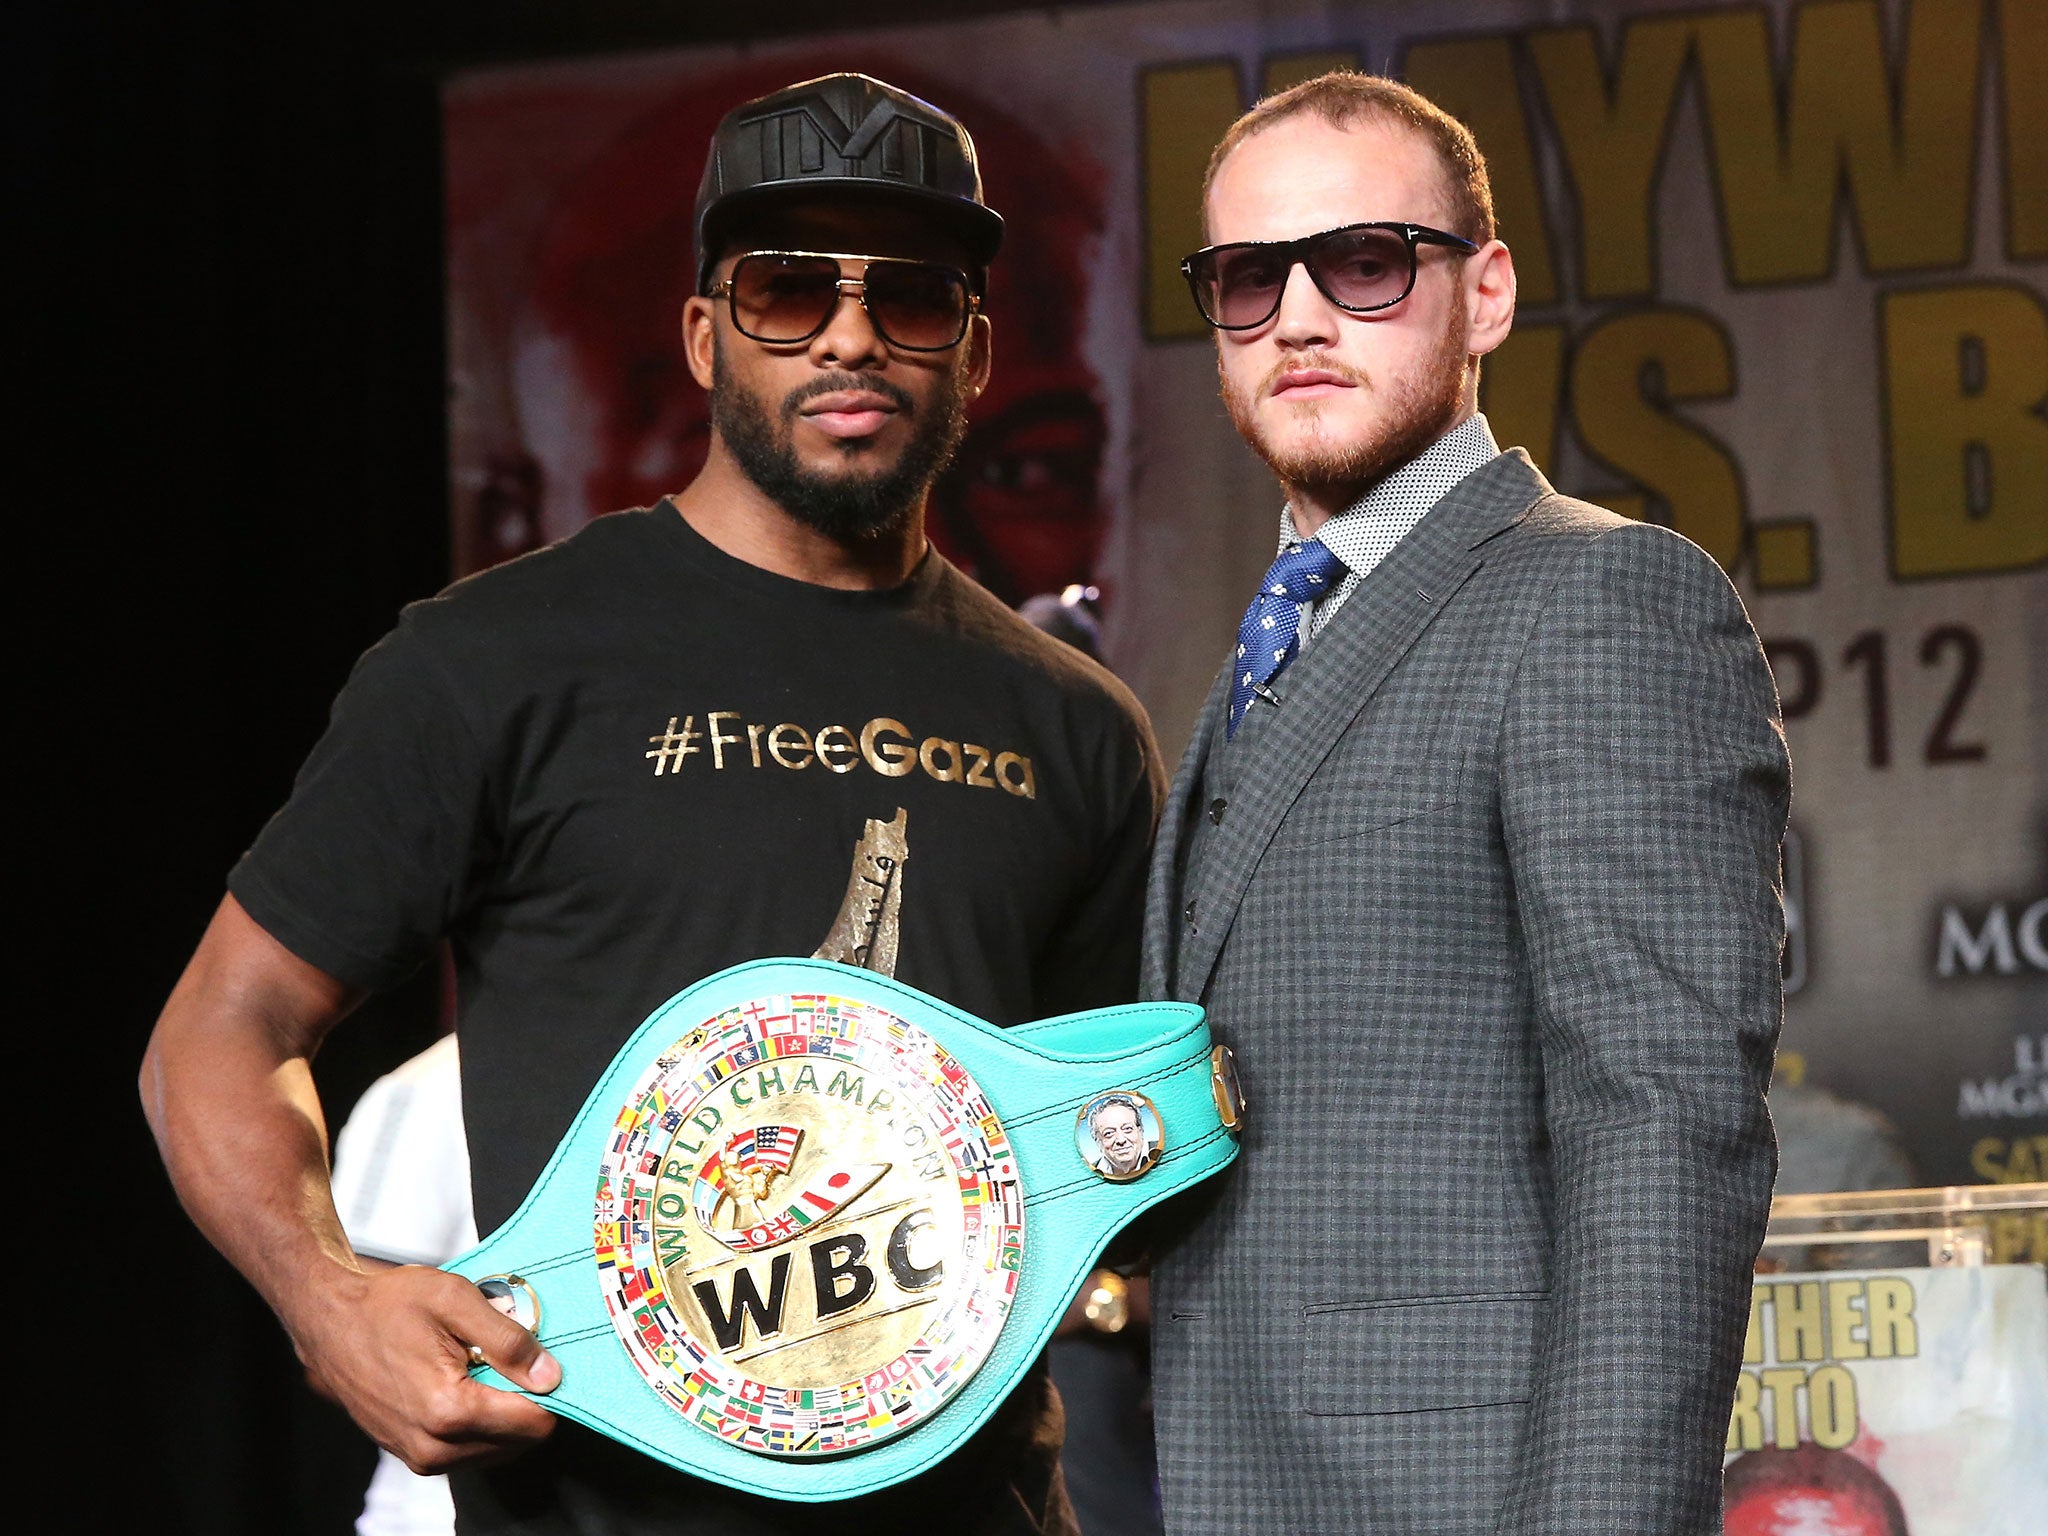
(1276,611)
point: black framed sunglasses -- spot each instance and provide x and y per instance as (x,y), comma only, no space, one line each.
(1359,268)
(786,297)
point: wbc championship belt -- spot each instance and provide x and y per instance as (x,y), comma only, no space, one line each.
(812,1225)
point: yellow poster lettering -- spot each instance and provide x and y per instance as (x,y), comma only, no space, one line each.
(2019,1161)
(1626,375)
(1753,1339)
(1283,70)
(1905,155)
(1519,388)
(837,751)
(1987,1159)
(1845,1297)
(1473,79)
(1746,1423)
(1796,1309)
(2023,72)
(1966,373)
(1831,1406)
(1893,1332)
(790,745)
(1783,1383)
(894,758)
(1612,132)
(2019,1237)
(1183,110)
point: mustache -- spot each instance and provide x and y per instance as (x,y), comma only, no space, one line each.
(833,383)
(1320,361)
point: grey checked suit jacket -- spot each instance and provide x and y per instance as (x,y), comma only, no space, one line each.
(1492,923)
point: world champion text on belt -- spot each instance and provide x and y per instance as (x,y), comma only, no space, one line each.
(825,1222)
(809,1226)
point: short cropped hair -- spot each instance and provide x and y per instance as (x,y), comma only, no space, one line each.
(1343,97)
(1115,1101)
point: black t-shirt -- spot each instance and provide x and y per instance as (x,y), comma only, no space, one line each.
(617,765)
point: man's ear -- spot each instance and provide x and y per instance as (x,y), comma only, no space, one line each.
(700,336)
(980,355)
(1489,291)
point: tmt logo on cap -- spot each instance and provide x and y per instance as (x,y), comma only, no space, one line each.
(796,135)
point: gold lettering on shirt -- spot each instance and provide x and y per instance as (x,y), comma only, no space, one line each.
(787,738)
(941,759)
(837,750)
(1014,774)
(868,926)
(672,746)
(884,745)
(890,758)
(719,740)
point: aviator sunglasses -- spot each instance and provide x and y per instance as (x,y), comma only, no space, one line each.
(786,297)
(1359,268)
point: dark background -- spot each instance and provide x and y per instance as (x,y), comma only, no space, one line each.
(228,474)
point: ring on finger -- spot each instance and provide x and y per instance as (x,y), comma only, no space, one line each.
(476,1355)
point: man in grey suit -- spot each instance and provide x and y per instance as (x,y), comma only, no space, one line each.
(1473,860)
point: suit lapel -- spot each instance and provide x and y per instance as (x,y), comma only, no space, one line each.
(1327,689)
(1162,905)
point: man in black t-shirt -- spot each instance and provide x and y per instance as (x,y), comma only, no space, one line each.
(759,718)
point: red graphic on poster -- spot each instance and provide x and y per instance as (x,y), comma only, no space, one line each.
(1808,1491)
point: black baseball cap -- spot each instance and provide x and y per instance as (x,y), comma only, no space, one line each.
(841,133)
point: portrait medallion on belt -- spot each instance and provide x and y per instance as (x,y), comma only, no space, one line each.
(1120,1134)
(809,1225)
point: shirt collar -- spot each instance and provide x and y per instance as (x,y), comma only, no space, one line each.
(1398,501)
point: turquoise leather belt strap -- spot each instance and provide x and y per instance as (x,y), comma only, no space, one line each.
(812,1225)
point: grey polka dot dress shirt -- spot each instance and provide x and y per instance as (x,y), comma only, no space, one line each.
(1362,534)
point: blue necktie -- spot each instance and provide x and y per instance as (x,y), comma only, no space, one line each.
(1271,631)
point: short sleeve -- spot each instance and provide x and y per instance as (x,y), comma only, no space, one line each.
(377,850)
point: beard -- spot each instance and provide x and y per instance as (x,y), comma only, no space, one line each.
(1419,409)
(852,504)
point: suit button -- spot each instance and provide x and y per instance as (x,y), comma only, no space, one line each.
(1188,912)
(1216,811)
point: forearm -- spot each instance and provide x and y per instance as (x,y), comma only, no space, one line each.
(227,1088)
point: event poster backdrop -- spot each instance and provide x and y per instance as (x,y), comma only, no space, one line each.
(1782,277)
(1925,1383)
